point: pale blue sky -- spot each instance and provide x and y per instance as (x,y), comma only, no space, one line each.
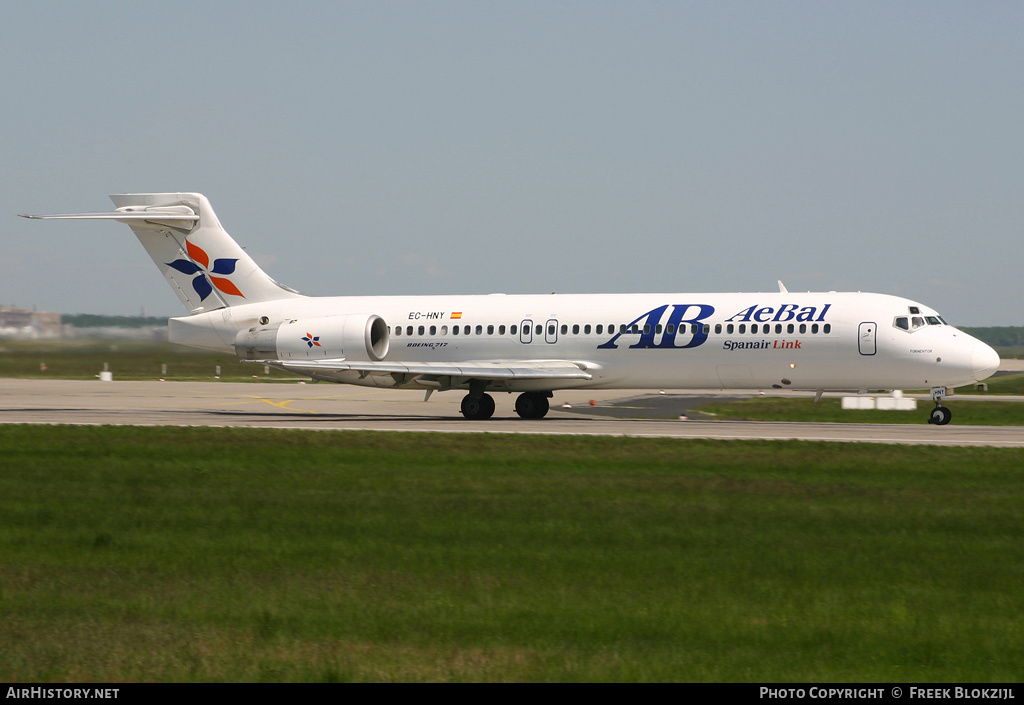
(525,147)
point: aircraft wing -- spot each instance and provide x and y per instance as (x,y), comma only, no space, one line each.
(477,369)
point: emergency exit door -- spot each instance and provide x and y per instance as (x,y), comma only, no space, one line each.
(866,338)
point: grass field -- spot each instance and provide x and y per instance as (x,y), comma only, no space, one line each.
(965,413)
(172,554)
(1002,384)
(126,359)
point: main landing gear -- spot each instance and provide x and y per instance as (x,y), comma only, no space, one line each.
(533,405)
(478,407)
(529,405)
(940,415)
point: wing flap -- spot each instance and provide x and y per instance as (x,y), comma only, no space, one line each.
(482,369)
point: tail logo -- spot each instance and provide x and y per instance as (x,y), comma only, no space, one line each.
(204,282)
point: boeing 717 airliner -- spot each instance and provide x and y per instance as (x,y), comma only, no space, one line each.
(534,344)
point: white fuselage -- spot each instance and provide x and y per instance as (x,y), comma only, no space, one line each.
(802,341)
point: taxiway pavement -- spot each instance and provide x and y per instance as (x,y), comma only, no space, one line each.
(326,407)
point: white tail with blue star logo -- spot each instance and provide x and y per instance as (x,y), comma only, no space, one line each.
(206,268)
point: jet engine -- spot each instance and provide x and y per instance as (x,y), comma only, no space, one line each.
(355,336)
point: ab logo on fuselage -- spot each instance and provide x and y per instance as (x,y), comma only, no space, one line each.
(688,320)
(647,326)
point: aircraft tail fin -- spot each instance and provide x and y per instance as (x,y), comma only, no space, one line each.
(206,268)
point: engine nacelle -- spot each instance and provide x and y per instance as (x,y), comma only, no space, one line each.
(354,336)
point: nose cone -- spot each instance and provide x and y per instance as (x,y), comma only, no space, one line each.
(985,362)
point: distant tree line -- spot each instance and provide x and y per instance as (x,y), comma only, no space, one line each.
(1000,336)
(89,320)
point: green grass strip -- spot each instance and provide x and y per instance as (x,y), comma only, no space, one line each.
(173,554)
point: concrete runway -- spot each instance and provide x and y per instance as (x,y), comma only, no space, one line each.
(327,406)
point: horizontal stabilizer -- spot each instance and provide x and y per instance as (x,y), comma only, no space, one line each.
(128,214)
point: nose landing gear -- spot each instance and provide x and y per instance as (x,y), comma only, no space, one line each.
(940,415)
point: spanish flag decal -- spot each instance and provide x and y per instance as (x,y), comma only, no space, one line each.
(456,315)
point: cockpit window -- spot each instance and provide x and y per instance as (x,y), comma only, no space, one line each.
(912,323)
(915,309)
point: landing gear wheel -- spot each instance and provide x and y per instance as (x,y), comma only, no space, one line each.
(478,408)
(940,416)
(532,405)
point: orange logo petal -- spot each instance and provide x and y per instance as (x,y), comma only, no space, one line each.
(198,254)
(226,286)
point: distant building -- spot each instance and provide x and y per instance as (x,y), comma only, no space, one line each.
(24,322)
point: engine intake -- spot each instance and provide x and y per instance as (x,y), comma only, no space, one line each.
(354,336)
